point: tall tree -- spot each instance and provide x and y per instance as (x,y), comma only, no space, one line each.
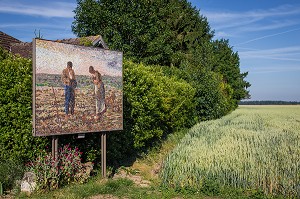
(153,31)
(228,65)
(169,33)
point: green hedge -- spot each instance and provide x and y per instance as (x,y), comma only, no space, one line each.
(16,140)
(155,104)
(214,97)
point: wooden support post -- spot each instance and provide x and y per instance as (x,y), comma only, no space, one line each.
(55,147)
(103,154)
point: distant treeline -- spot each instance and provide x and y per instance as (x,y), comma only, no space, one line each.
(268,102)
(82,80)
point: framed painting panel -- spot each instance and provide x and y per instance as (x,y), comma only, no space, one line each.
(76,89)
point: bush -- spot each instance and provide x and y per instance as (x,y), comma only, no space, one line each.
(16,140)
(10,172)
(154,104)
(52,173)
(213,98)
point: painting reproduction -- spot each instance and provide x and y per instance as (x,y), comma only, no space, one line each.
(76,89)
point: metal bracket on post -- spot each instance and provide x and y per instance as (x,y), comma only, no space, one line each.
(103,154)
(55,147)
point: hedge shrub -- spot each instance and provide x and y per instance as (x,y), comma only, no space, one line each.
(155,104)
(16,140)
(213,98)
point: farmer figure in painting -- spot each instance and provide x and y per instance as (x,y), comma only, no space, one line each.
(68,78)
(99,92)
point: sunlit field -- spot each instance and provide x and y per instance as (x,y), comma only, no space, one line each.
(255,147)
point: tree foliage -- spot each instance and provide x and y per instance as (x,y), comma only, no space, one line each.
(184,76)
(213,98)
(167,33)
(218,57)
(229,66)
(155,32)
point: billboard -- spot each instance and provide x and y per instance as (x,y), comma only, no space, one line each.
(76,89)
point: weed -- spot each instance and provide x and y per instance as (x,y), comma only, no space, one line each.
(10,171)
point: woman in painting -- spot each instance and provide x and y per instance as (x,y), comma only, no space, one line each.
(99,92)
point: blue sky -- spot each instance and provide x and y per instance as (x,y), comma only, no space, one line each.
(264,33)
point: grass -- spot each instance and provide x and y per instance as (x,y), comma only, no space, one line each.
(124,188)
(148,167)
(144,166)
(119,188)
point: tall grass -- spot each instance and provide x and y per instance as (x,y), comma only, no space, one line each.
(255,147)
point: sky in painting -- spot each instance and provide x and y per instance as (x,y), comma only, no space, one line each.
(57,54)
(264,33)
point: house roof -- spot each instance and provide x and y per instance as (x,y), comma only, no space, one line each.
(96,41)
(6,41)
(24,49)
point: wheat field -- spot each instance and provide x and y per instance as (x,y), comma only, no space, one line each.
(254,147)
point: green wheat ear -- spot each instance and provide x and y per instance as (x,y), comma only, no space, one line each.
(249,148)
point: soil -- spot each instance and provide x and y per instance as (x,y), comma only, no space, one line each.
(50,118)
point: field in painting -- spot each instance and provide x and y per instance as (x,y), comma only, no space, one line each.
(50,118)
(255,147)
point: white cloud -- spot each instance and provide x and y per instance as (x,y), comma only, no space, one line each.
(271,69)
(285,54)
(53,9)
(26,25)
(269,26)
(267,36)
(244,18)
(287,60)
(221,34)
(235,23)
